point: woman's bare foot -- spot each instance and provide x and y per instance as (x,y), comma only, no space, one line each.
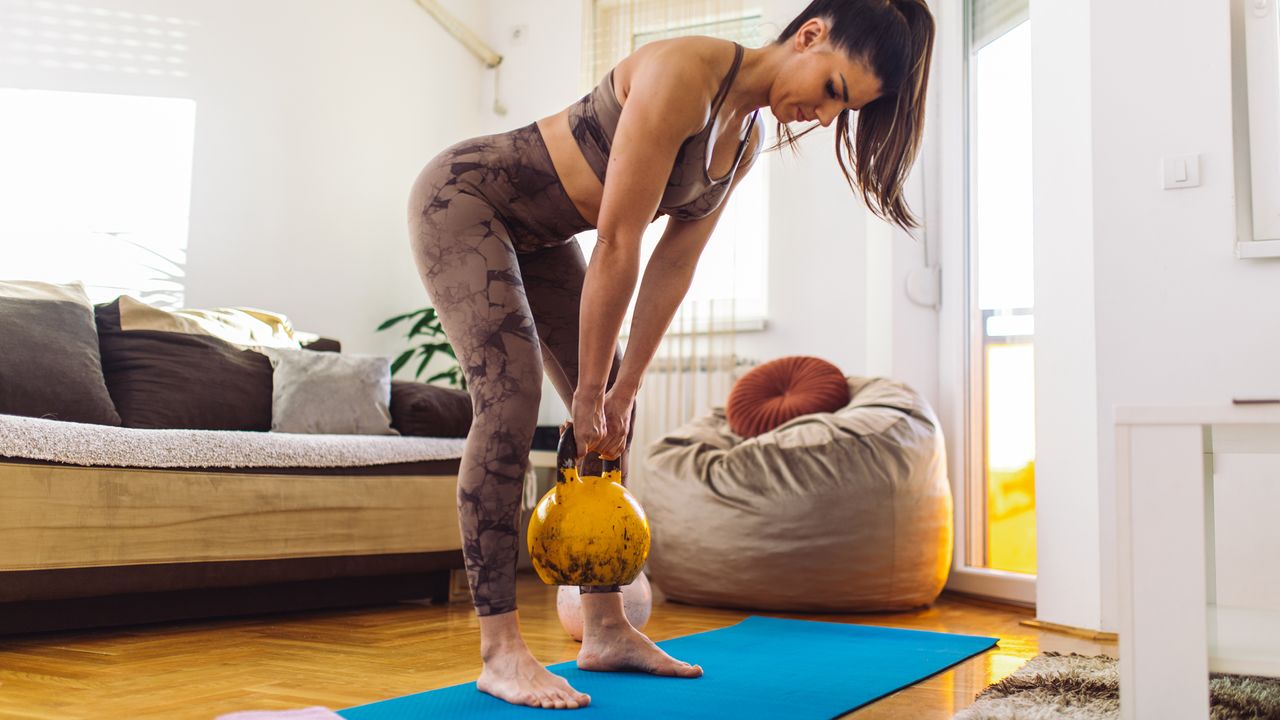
(513,674)
(619,647)
(517,677)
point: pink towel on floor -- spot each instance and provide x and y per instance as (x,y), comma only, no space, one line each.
(311,713)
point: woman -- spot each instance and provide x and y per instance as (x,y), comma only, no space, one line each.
(671,130)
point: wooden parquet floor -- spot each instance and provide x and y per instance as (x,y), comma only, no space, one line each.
(338,659)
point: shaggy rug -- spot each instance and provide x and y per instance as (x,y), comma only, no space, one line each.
(1052,686)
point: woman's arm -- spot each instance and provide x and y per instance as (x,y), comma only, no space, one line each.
(656,118)
(667,278)
(667,100)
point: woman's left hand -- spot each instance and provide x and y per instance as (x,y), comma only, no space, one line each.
(617,414)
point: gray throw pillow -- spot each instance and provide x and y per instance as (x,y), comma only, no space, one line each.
(325,392)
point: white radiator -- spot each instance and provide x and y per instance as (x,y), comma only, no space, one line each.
(692,372)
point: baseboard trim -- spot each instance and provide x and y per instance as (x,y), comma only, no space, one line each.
(1086,633)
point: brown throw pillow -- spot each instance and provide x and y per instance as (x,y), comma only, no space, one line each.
(171,378)
(323,344)
(783,389)
(429,410)
(49,361)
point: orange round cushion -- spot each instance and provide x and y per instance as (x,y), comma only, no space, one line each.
(777,391)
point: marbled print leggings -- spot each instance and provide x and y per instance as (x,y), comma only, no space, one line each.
(492,231)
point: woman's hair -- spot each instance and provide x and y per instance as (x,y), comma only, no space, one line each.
(895,40)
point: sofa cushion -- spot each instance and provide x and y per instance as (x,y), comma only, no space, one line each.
(429,410)
(49,361)
(69,443)
(325,392)
(783,389)
(165,372)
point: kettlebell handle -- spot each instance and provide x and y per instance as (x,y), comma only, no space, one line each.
(567,455)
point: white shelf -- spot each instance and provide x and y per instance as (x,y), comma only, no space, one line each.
(1244,640)
(1167,459)
(1258,249)
(1268,414)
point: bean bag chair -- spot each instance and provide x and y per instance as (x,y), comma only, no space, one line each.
(828,512)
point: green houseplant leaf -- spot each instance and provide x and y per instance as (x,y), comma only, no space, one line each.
(429,341)
(397,319)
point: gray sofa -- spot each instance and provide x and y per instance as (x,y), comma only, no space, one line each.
(107,526)
(166,498)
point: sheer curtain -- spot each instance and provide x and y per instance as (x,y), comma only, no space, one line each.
(697,360)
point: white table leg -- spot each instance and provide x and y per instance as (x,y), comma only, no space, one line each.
(1164,663)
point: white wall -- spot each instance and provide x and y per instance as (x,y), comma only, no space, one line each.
(541,73)
(312,119)
(1175,318)
(817,299)
(1180,319)
(1068,588)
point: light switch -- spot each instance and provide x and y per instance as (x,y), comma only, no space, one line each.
(1181,171)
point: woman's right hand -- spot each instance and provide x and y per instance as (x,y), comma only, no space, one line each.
(588,421)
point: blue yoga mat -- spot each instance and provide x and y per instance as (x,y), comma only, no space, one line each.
(761,667)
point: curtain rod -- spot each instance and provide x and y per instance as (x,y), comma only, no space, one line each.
(461,32)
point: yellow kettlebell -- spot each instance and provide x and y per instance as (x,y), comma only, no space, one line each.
(587,530)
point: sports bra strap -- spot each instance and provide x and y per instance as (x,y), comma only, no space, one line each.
(723,92)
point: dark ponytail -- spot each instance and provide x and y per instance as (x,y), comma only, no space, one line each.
(895,39)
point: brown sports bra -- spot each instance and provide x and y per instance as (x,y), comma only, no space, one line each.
(691,193)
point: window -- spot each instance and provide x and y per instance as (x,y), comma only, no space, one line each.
(1002,517)
(987,325)
(729,287)
(96,188)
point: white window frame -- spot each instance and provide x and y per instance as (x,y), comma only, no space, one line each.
(1256,120)
(959,367)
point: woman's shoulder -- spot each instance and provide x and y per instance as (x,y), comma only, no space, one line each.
(693,65)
